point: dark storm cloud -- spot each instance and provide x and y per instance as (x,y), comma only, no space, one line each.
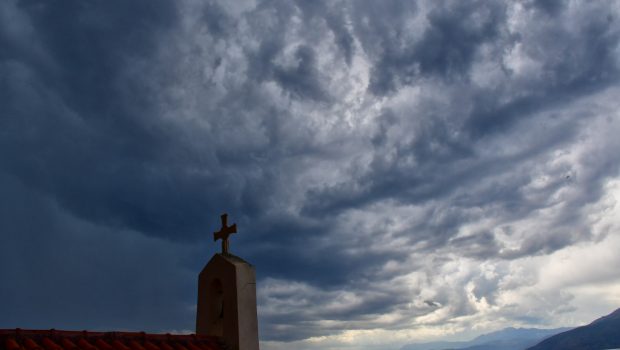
(354,143)
(481,245)
(303,307)
(102,137)
(586,64)
(98,140)
(550,7)
(447,47)
(312,251)
(335,18)
(61,272)
(434,147)
(300,78)
(218,21)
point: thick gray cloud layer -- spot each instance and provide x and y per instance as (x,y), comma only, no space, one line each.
(391,165)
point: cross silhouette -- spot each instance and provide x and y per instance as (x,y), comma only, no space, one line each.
(224,232)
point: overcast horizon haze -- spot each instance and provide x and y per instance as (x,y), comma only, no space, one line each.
(399,171)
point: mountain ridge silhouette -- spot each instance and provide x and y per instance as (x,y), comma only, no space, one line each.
(602,333)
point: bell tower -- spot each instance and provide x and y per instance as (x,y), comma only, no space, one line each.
(227,297)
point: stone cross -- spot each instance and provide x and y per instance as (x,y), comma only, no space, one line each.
(224,232)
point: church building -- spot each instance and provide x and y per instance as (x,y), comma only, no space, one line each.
(226,317)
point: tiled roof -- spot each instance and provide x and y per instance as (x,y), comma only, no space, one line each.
(19,339)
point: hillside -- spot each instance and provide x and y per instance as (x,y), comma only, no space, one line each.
(603,333)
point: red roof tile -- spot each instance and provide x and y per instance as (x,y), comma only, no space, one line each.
(18,339)
(165,346)
(29,344)
(48,344)
(102,345)
(150,346)
(191,346)
(11,344)
(119,346)
(68,344)
(133,345)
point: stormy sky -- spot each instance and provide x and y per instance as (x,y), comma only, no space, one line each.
(399,171)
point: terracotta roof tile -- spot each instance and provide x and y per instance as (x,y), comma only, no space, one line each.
(135,346)
(103,345)
(48,344)
(11,344)
(68,344)
(30,344)
(165,346)
(18,339)
(191,346)
(119,346)
(150,346)
(83,344)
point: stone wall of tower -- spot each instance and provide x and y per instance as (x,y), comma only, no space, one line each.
(227,302)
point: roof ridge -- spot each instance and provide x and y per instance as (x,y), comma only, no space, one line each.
(52,339)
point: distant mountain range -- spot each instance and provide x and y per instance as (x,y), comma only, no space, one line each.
(505,339)
(603,333)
